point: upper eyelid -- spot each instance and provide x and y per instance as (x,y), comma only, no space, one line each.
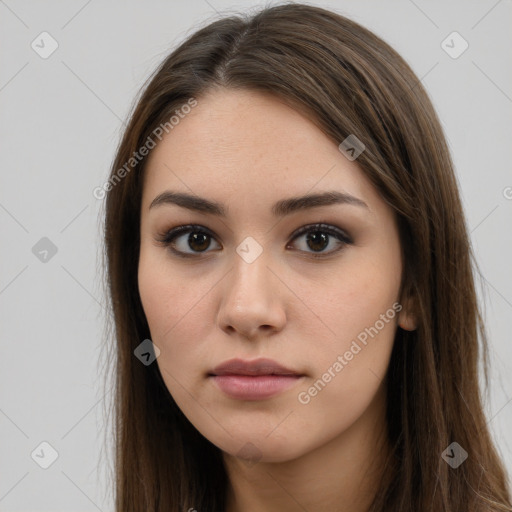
(184,228)
(321,226)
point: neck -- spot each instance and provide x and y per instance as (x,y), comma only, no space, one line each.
(340,475)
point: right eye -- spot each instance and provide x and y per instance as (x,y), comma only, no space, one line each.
(199,239)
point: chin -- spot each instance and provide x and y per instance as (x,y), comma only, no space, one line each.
(259,447)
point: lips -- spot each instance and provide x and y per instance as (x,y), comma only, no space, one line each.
(253,380)
(257,367)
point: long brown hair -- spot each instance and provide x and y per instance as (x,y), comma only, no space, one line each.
(348,81)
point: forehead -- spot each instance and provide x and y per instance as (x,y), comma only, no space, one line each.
(249,146)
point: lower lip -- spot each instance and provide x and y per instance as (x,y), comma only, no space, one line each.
(254,387)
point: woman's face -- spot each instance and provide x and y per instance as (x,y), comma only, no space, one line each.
(244,284)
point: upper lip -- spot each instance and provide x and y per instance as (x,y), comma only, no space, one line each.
(261,366)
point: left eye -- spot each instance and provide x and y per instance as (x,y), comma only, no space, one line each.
(318,238)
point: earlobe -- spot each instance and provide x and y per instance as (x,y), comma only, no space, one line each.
(406,318)
(407,322)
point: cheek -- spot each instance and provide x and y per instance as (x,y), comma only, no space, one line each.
(350,359)
(352,299)
(166,295)
(176,308)
(348,373)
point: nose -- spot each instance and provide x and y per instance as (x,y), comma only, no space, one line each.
(251,301)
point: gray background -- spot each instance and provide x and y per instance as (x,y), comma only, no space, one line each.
(61,118)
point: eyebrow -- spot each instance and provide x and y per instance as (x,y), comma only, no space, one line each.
(279,209)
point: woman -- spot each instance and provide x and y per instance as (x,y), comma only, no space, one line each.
(291,278)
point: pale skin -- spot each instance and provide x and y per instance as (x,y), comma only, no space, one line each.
(248,150)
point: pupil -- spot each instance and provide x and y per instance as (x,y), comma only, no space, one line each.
(195,239)
(317,237)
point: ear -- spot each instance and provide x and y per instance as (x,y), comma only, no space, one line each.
(407,318)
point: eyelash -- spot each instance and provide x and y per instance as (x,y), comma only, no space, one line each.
(167,238)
